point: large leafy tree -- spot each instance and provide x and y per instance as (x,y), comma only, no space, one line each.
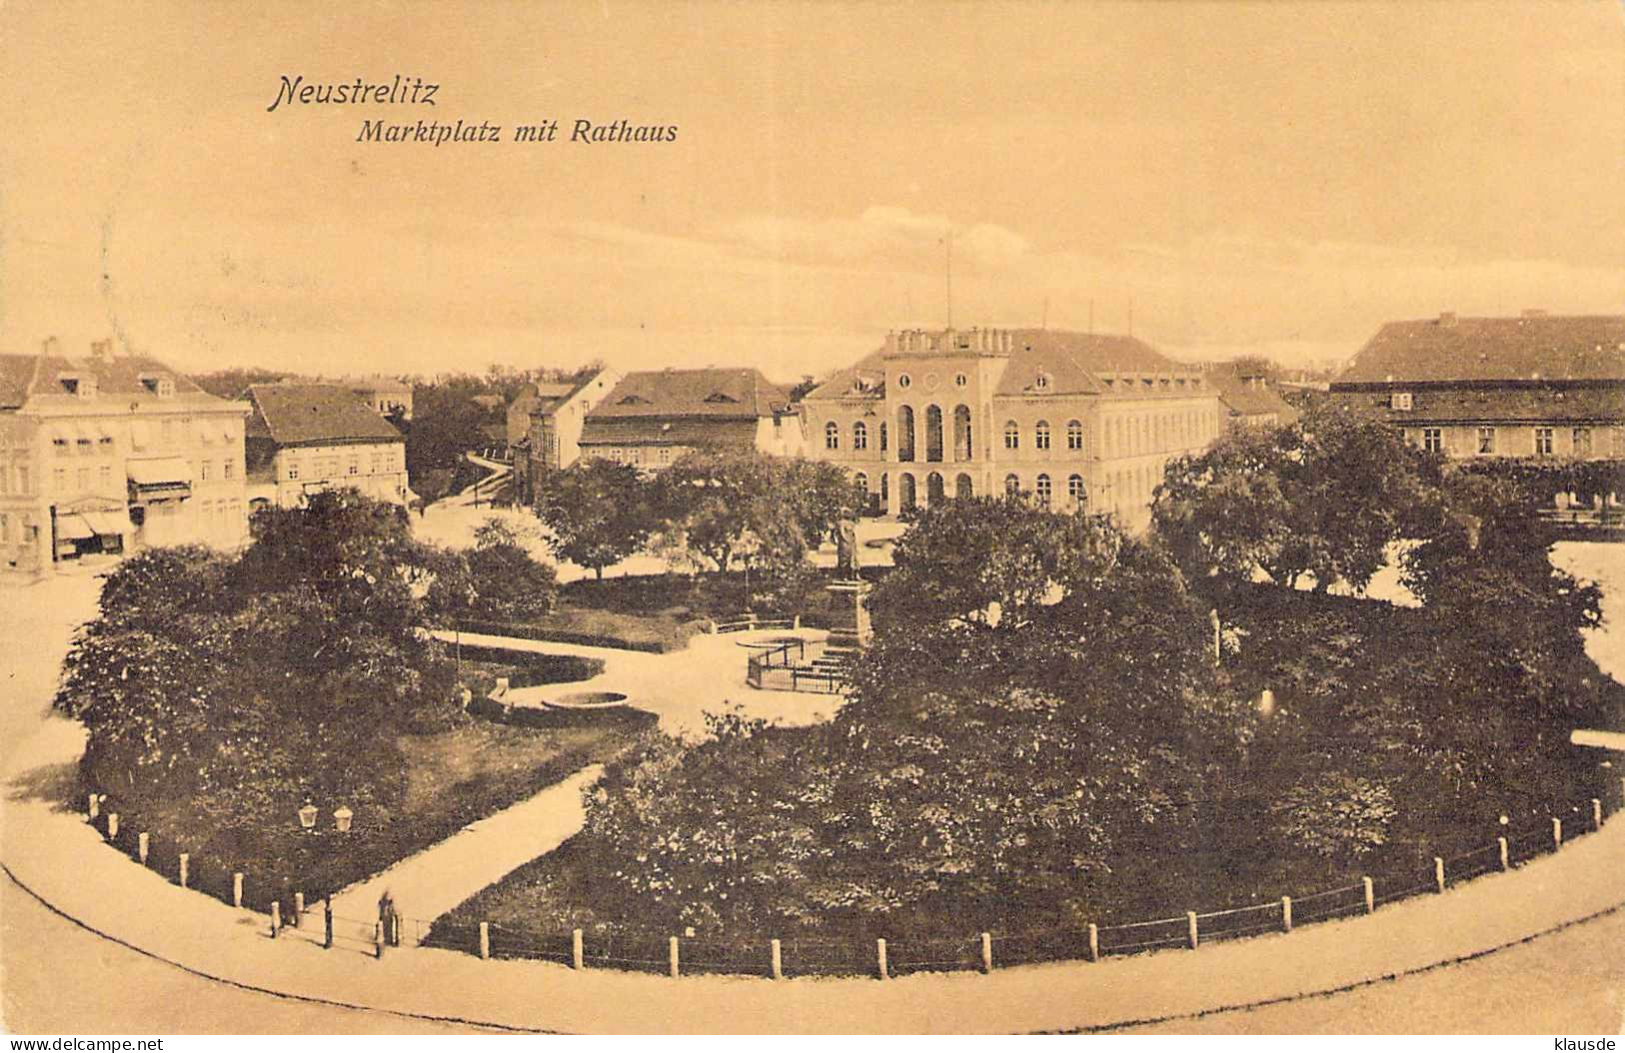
(726,506)
(255,679)
(597,513)
(1324,497)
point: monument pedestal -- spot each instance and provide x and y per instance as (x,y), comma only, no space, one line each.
(853,628)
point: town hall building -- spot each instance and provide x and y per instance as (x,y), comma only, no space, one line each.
(1073,419)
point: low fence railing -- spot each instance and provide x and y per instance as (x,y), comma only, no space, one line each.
(624,947)
(653,951)
(775,657)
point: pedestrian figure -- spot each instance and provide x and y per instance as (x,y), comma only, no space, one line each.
(386,915)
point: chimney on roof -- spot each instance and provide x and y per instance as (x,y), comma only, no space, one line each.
(50,346)
(1447,319)
(102,351)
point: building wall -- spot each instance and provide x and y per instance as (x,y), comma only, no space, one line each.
(555,432)
(376,469)
(1125,441)
(1597,441)
(87,472)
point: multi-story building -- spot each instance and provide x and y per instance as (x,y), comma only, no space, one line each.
(303,438)
(652,418)
(1073,419)
(106,453)
(553,423)
(1535,386)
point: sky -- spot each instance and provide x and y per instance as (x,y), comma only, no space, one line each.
(1216,178)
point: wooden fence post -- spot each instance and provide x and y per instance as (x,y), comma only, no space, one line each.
(576,957)
(778,961)
(1557,833)
(93,805)
(378,939)
(1370,895)
(1094,942)
(112,826)
(671,955)
(1190,924)
(298,908)
(143,843)
(1286,913)
(276,918)
(880,959)
(237,889)
(485,939)
(1596,813)
(395,930)
(327,924)
(186,868)
(1438,872)
(1506,854)
(987,952)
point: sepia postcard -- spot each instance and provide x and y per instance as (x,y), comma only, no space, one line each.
(718,518)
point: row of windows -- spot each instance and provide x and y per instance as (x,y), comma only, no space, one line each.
(15,479)
(935,485)
(1580,440)
(1041,438)
(331,467)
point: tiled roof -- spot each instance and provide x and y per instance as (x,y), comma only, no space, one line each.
(1598,402)
(1532,347)
(38,376)
(721,393)
(1076,362)
(865,378)
(1245,400)
(676,431)
(312,414)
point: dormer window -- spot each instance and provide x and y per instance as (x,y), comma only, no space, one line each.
(633,400)
(1400,400)
(720,397)
(1041,382)
(80,387)
(159,384)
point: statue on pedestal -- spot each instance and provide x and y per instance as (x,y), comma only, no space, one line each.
(846,549)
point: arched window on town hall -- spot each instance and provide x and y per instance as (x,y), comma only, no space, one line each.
(1012,435)
(962,438)
(832,436)
(1043,490)
(1041,435)
(933,433)
(882,436)
(861,481)
(905,433)
(1074,435)
(1074,489)
(963,487)
(860,436)
(1012,484)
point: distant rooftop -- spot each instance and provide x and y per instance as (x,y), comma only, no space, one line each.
(1534,346)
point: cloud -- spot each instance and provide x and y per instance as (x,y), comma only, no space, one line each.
(886,235)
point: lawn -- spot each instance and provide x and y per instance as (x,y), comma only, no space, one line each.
(450,778)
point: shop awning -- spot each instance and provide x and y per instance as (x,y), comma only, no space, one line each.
(160,476)
(105,523)
(72,527)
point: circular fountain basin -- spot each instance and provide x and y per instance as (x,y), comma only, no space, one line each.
(587,702)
